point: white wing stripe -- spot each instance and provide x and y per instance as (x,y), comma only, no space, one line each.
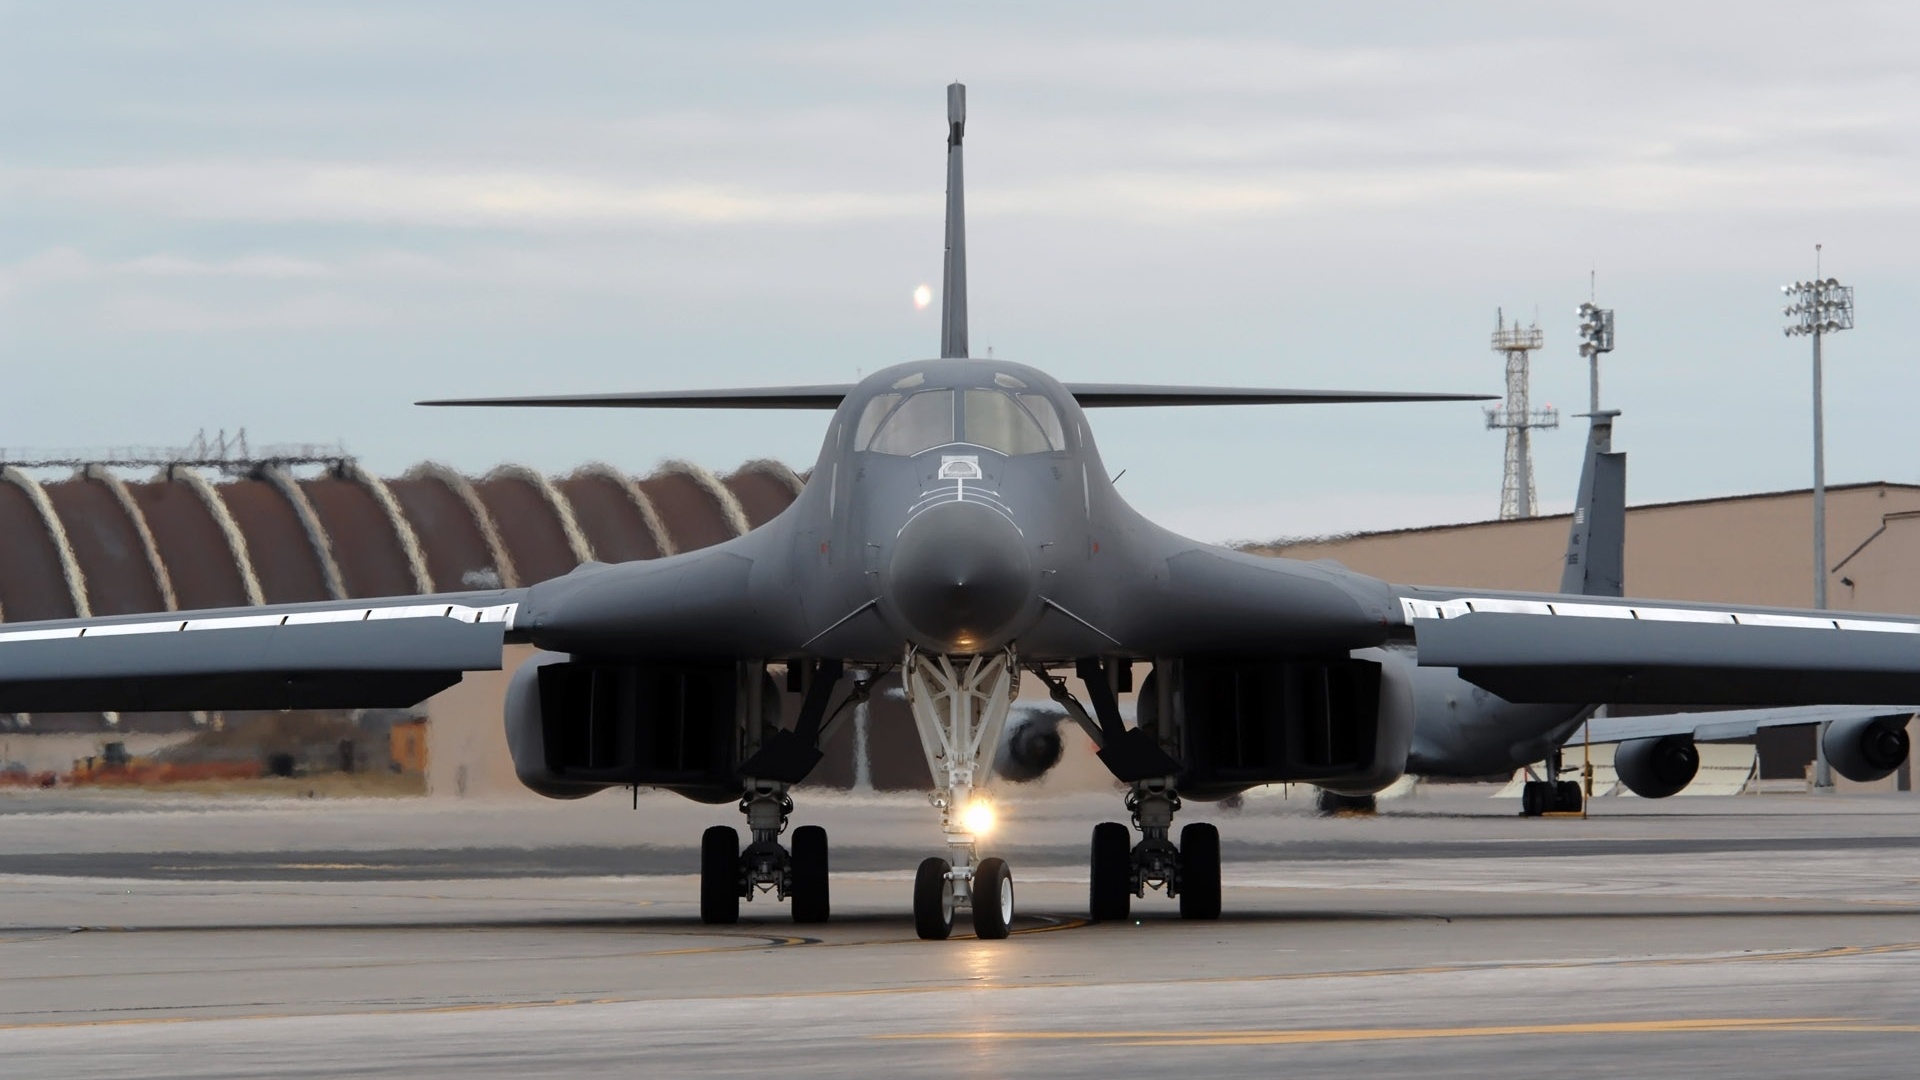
(501,613)
(1413,608)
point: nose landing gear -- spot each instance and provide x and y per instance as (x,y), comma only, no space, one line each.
(960,707)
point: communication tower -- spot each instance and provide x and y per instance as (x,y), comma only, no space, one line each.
(1517,417)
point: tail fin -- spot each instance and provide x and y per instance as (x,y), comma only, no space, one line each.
(953,295)
(1597,539)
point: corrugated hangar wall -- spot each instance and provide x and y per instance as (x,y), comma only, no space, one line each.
(95,543)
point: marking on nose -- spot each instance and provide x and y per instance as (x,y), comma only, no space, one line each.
(960,467)
(958,491)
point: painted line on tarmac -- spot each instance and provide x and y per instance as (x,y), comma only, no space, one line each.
(1291,1037)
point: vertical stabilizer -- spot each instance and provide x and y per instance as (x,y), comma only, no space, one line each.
(953,294)
(1597,539)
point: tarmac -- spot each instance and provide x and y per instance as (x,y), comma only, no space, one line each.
(144,936)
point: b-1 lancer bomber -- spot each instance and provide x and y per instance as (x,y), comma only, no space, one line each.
(960,530)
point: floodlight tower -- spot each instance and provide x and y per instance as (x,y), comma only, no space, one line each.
(1815,309)
(1517,418)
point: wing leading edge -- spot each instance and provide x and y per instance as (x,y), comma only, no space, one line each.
(1558,649)
(352,654)
(1089,395)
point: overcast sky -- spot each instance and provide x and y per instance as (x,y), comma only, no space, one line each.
(300,218)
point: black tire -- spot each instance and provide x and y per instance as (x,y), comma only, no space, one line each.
(1531,803)
(933,900)
(992,900)
(1110,885)
(1200,871)
(1567,796)
(720,876)
(1332,803)
(809,874)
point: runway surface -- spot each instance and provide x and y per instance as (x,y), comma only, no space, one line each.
(144,937)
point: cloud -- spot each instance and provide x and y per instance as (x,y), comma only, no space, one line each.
(299,191)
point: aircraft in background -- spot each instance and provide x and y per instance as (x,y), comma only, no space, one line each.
(960,530)
(1467,731)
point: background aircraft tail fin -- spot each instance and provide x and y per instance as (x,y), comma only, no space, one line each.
(1597,538)
(953,289)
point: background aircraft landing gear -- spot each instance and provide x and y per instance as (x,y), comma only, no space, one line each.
(1332,803)
(729,875)
(1552,795)
(960,708)
(1539,797)
(1121,871)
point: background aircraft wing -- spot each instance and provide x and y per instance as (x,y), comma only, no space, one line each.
(1564,649)
(387,653)
(1121,395)
(1721,726)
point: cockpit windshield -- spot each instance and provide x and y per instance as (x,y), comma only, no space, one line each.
(921,422)
(998,421)
(1007,421)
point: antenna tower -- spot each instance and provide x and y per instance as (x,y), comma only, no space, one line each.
(1517,418)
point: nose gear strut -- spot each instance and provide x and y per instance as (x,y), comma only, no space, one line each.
(960,707)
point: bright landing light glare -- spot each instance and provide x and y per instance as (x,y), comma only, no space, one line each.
(978,817)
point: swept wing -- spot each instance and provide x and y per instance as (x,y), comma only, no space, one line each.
(1552,648)
(349,654)
(1089,395)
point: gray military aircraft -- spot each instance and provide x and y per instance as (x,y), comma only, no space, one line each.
(958,529)
(1464,730)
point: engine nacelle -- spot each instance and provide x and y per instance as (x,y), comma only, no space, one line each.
(1868,748)
(1339,722)
(1657,768)
(1031,748)
(575,727)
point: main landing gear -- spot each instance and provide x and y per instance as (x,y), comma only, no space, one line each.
(1122,870)
(797,873)
(776,759)
(960,707)
(1140,757)
(1553,795)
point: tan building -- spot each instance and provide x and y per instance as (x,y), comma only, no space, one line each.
(1746,549)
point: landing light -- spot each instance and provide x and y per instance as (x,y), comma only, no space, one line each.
(978,817)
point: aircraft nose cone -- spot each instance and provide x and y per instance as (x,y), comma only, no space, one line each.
(960,576)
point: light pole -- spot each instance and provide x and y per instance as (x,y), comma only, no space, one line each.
(1814,309)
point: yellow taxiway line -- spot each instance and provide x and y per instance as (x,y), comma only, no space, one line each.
(1295,1037)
